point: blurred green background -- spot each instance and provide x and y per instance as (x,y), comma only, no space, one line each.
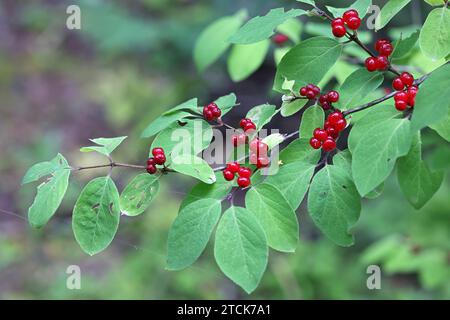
(130,61)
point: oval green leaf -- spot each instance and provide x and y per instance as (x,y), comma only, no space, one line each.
(138,194)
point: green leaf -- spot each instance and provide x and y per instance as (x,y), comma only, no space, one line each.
(334,204)
(275,215)
(293,181)
(241,248)
(357,86)
(434,38)
(163,122)
(435,2)
(375,155)
(443,128)
(193,166)
(260,28)
(431,104)
(190,232)
(261,115)
(191,138)
(273,140)
(279,53)
(96,215)
(191,105)
(343,159)
(49,193)
(378,114)
(226,103)
(299,150)
(311,2)
(201,190)
(312,118)
(362,6)
(291,28)
(246,59)
(416,180)
(106,145)
(213,41)
(404,46)
(138,194)
(290,108)
(390,10)
(308,62)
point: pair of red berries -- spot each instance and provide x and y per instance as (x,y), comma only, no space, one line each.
(326,138)
(211,112)
(280,39)
(403,99)
(258,153)
(310,91)
(159,158)
(350,18)
(247,126)
(326,100)
(244,174)
(381,63)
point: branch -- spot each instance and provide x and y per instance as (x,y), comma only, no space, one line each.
(418,82)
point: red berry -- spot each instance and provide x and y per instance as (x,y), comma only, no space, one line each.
(156,151)
(350,14)
(233,167)
(303,91)
(334,117)
(228,175)
(243,182)
(280,38)
(397,84)
(337,22)
(323,99)
(245,172)
(150,162)
(160,159)
(382,63)
(212,105)
(401,105)
(386,49)
(262,162)
(239,139)
(329,145)
(354,23)
(326,106)
(207,113)
(320,134)
(339,31)
(413,88)
(379,43)
(411,98)
(310,94)
(407,79)
(253,158)
(316,89)
(258,147)
(371,64)
(243,122)
(315,143)
(249,126)
(327,125)
(332,132)
(401,96)
(216,112)
(151,169)
(333,96)
(340,125)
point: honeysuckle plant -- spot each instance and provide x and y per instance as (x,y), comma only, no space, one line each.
(350,138)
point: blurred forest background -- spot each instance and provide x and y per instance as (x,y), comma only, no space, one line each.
(131,61)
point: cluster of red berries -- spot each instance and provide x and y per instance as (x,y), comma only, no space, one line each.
(350,18)
(310,91)
(326,100)
(258,153)
(159,158)
(403,98)
(211,112)
(326,138)
(280,39)
(385,49)
(247,126)
(244,174)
